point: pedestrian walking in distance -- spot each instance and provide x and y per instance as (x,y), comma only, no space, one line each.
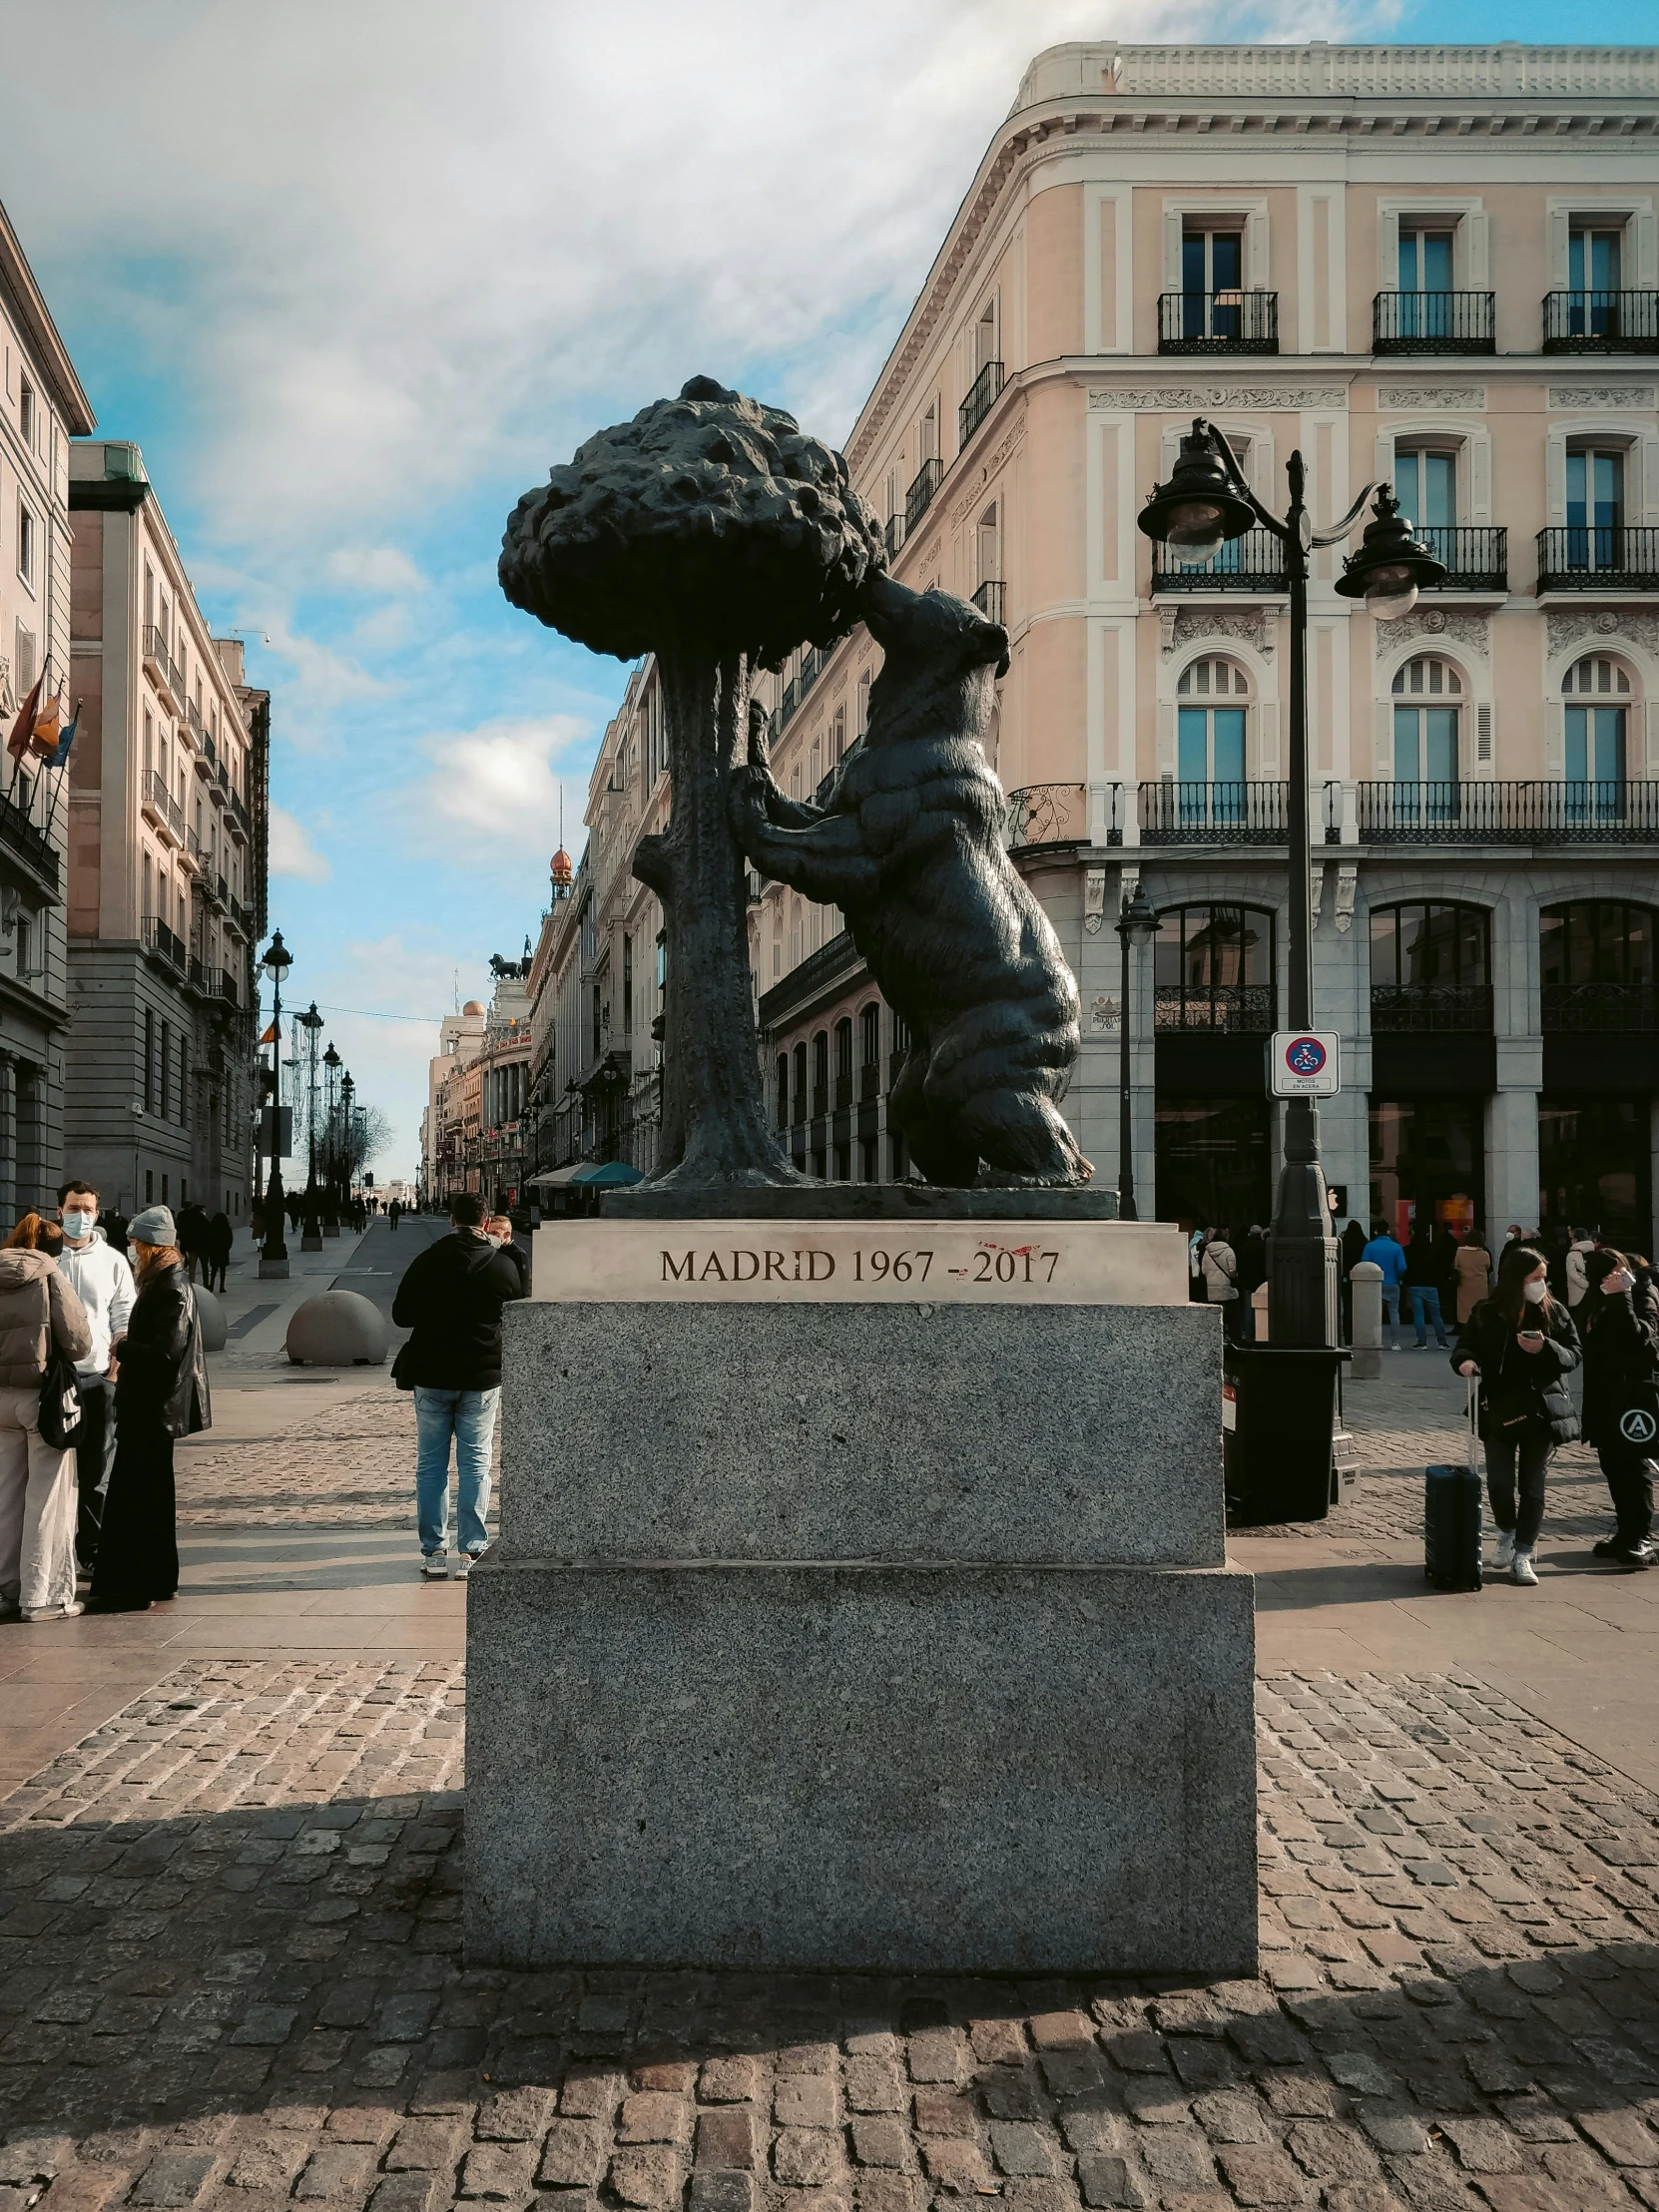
(1472,1274)
(1220,1269)
(1425,1276)
(39,1314)
(1575,1267)
(451,1298)
(1620,1328)
(102,1279)
(160,1394)
(1385,1253)
(1523,1346)
(394,1214)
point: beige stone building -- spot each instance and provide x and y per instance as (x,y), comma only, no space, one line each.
(42,406)
(460,1039)
(168,790)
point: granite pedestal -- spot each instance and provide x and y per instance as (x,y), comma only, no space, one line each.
(888,1637)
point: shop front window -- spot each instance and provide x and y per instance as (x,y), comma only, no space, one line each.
(1427,1160)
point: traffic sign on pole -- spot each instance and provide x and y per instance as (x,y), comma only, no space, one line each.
(1304,1063)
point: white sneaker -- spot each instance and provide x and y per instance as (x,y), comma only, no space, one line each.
(54,1612)
(1504,1556)
(463,1565)
(1522,1572)
(435,1565)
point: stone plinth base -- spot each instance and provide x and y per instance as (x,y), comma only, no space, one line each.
(887,1768)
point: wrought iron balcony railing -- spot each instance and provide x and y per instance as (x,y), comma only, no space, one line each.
(1214,813)
(981,399)
(165,943)
(1601,322)
(1577,1008)
(870,1080)
(1252,563)
(917,499)
(1246,1009)
(837,956)
(1474,559)
(893,532)
(1218,322)
(1048,813)
(989,600)
(1507,813)
(24,842)
(1406,1008)
(1598,557)
(1433,322)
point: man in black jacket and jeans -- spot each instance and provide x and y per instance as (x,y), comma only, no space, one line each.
(452,1297)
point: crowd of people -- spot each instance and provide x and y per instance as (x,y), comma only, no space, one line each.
(102,1368)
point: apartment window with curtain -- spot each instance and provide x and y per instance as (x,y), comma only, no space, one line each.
(1210,741)
(1212,276)
(1427,701)
(1595,265)
(1425,484)
(1595,507)
(1597,695)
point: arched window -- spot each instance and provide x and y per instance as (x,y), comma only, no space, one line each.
(1597,691)
(1429,968)
(821,1072)
(1426,692)
(869,1052)
(1596,966)
(844,1062)
(1211,968)
(782,1092)
(1211,717)
(799,1111)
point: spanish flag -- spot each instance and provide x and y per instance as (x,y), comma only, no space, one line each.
(48,728)
(23,728)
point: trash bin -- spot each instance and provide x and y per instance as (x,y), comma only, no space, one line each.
(1278,1412)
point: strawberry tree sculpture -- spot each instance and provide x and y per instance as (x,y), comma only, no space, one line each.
(713,533)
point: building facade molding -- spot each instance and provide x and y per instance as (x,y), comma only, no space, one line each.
(1395,398)
(1252,626)
(1205,399)
(1600,395)
(1564,631)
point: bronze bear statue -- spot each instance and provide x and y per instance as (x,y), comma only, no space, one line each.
(908,843)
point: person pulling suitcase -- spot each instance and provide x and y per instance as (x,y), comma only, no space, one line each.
(1451,1516)
(1522,1344)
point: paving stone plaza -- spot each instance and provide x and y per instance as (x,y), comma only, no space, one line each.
(231,1882)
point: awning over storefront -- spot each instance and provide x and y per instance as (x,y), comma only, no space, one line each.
(609,1176)
(559,1179)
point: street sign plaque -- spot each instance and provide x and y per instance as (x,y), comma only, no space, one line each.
(1304,1063)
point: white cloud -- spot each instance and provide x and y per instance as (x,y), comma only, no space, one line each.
(292,851)
(373,568)
(486,785)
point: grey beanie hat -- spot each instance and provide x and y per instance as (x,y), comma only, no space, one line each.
(152,1227)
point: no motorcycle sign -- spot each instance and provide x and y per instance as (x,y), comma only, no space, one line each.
(1303,1063)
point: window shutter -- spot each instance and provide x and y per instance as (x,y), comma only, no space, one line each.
(1385,739)
(1388,251)
(1483,734)
(1267,718)
(1166,739)
(1555,477)
(1648,462)
(1653,736)
(1555,739)
(1173,228)
(1481,477)
(1385,458)
(1559,265)
(1477,250)
(1647,260)
(1257,274)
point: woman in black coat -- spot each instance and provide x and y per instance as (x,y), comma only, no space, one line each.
(1522,1343)
(1621,1356)
(161,1391)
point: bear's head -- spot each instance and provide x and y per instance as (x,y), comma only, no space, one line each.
(938,649)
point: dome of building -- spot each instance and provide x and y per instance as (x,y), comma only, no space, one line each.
(561,866)
(473,1006)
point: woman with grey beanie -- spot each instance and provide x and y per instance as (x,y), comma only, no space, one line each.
(161,1391)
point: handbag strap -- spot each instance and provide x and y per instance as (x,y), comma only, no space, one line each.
(1473,1382)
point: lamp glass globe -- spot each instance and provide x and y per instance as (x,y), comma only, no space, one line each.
(1196,531)
(1391,593)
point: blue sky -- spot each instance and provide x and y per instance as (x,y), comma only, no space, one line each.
(355,275)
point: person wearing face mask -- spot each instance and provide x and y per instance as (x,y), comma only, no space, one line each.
(1523,1346)
(499,1230)
(102,1279)
(1622,1360)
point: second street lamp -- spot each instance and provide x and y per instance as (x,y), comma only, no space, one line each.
(1206,502)
(1137,924)
(273,1252)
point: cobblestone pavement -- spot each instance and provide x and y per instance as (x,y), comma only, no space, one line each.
(230,1979)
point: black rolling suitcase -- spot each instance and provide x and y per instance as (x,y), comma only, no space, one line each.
(1451,1517)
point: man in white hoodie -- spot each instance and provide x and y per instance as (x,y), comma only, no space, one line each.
(103,1281)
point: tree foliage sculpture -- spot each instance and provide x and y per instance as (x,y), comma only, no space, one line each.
(712,532)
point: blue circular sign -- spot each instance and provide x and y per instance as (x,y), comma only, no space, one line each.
(1305,1057)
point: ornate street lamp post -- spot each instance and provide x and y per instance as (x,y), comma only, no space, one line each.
(1137,924)
(1205,503)
(310,1239)
(273,1252)
(330,1144)
(348,1135)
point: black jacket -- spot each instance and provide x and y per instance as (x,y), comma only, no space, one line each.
(1427,1264)
(161,1382)
(1537,1379)
(452,1296)
(1620,1349)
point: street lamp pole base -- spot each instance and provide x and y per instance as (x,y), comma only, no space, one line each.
(1302,1253)
(274,1271)
(310,1243)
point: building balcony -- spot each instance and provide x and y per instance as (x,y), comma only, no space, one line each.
(1048,813)
(982,396)
(162,809)
(218,788)
(159,667)
(190,851)
(1507,813)
(1433,322)
(990,599)
(193,720)
(1238,1008)
(1420,1008)
(1214,813)
(222,984)
(1584,1009)
(163,944)
(25,847)
(1473,559)
(831,962)
(869,1081)
(214,889)
(235,819)
(919,497)
(239,916)
(893,533)
(789,700)
(1601,557)
(1252,563)
(1218,322)
(1601,322)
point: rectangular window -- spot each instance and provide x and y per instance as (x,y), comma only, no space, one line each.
(1427,486)
(1211,270)
(1210,745)
(1593,261)
(626,986)
(1595,509)
(1595,744)
(26,412)
(1425,745)
(149,1061)
(1426,261)
(163,1069)
(25,544)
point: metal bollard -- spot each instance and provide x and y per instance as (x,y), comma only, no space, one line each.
(1365,1284)
(1259,1308)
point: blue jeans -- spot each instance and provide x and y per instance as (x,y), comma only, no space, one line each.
(1391,1310)
(1427,1299)
(468,1417)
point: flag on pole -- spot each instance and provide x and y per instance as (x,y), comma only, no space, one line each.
(23,726)
(271,1036)
(61,756)
(43,738)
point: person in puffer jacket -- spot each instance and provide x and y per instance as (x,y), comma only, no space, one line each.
(38,1309)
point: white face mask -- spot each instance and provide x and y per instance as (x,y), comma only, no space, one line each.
(1536,1292)
(79,1224)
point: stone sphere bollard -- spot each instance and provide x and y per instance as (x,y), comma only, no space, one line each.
(1366,1282)
(212,1319)
(338,1329)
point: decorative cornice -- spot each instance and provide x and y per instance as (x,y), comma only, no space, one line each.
(1473,630)
(1252,626)
(1164,399)
(1432,396)
(1601,396)
(1635,627)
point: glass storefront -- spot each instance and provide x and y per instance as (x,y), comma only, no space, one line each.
(1215,1162)
(1596,1169)
(1428,1163)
